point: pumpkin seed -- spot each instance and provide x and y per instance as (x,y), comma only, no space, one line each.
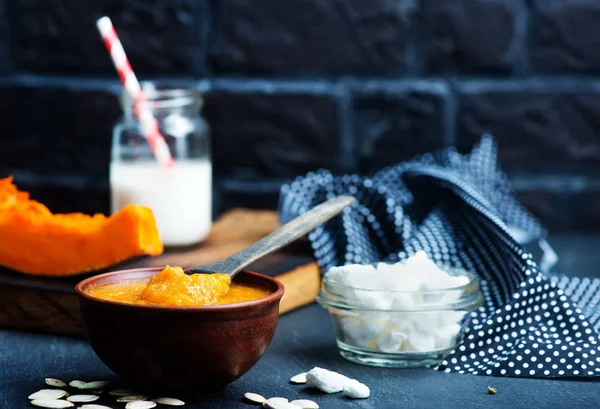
(254,397)
(299,379)
(47,394)
(55,382)
(95,385)
(52,403)
(77,384)
(94,406)
(140,404)
(121,392)
(277,399)
(131,398)
(83,398)
(169,401)
(278,403)
(305,403)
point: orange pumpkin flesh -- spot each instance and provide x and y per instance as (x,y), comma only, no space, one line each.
(172,287)
(35,241)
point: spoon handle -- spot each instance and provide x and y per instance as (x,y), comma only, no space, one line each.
(279,238)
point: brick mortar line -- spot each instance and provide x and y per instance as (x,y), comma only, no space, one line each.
(520,183)
(76,179)
(349,149)
(522,61)
(204,14)
(64,179)
(451,113)
(261,186)
(413,58)
(555,183)
(319,85)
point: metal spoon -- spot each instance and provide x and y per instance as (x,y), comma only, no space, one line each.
(279,238)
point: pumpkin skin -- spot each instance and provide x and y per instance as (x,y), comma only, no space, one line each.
(35,241)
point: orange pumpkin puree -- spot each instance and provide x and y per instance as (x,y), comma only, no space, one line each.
(172,287)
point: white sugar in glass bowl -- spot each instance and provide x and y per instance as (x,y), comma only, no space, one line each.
(402,315)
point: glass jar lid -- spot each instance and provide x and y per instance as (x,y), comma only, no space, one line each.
(165,96)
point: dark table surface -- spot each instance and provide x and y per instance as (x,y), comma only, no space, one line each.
(305,339)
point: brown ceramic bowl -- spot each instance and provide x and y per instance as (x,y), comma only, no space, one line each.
(182,351)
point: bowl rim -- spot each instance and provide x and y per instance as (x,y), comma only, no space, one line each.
(273,297)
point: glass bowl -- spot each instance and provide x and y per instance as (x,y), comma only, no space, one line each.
(405,328)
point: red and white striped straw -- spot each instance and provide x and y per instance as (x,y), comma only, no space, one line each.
(148,123)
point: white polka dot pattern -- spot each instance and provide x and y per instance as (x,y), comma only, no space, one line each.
(457,208)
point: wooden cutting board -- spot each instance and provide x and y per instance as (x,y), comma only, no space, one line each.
(49,304)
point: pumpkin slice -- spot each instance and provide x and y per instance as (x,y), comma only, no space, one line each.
(35,241)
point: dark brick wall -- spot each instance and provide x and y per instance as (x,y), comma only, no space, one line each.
(291,86)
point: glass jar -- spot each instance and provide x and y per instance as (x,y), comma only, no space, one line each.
(421,333)
(180,196)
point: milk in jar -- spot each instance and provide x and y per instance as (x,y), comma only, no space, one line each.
(180,196)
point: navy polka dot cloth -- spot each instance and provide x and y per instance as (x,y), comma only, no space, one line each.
(461,211)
